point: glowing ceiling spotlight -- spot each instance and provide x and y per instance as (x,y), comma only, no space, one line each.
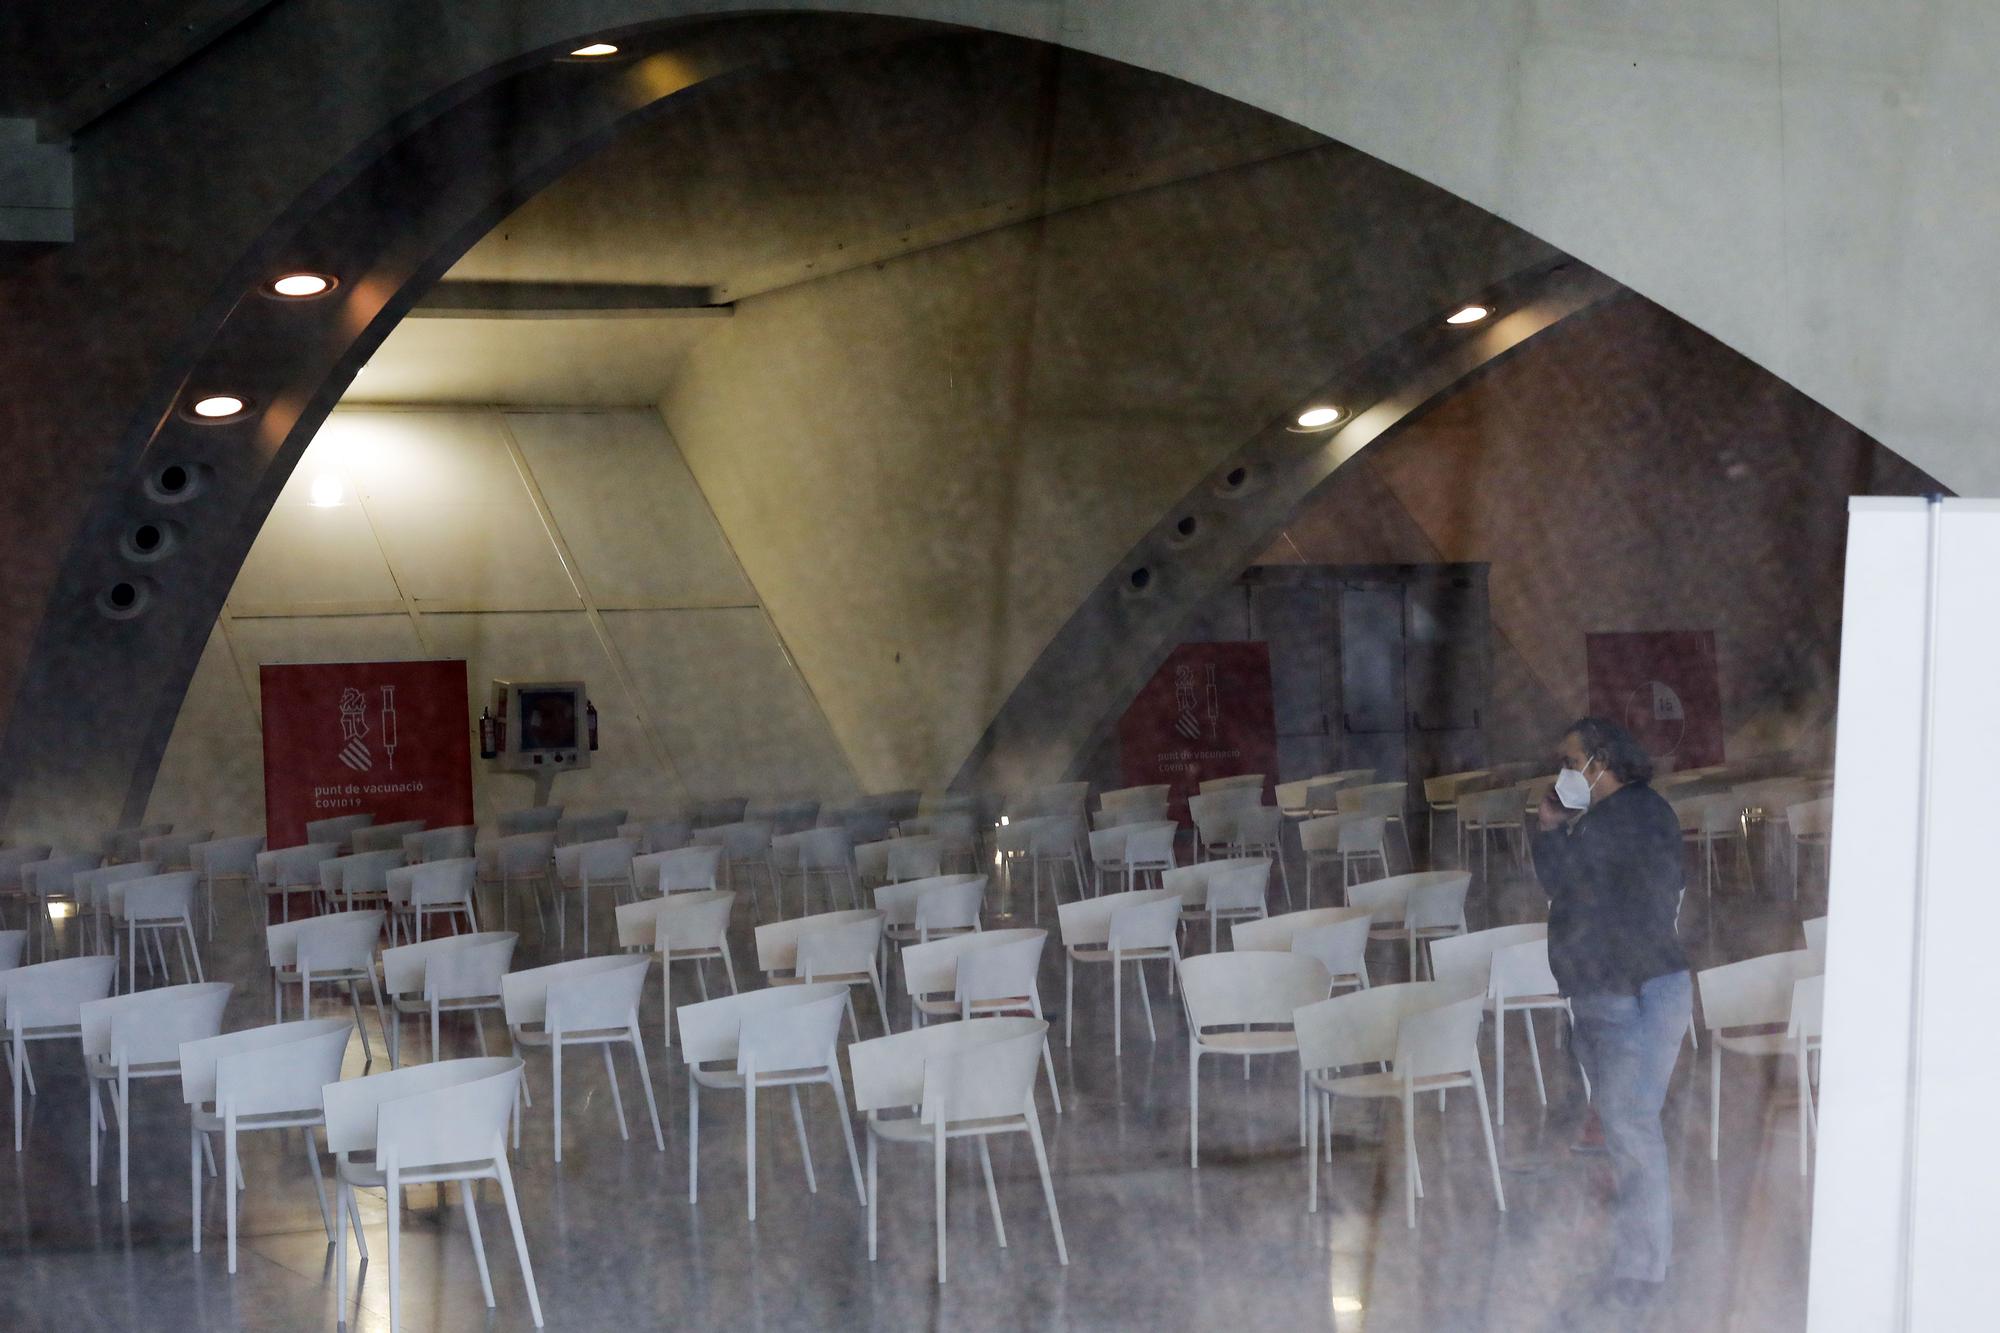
(595,51)
(302,286)
(1470,314)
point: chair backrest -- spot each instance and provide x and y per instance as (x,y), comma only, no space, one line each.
(295,867)
(684,921)
(13,858)
(477,970)
(1444,1040)
(521,854)
(679,869)
(1336,936)
(1086,923)
(709,1030)
(1150,845)
(600,861)
(425,1115)
(916,857)
(1815,932)
(1236,885)
(1055,835)
(174,851)
(1360,1027)
(742,841)
(1493,807)
(338,829)
(1107,845)
(436,882)
(1157,794)
(360,874)
(957,829)
(985,1083)
(1236,988)
(1001,971)
(405,966)
(148,1027)
(1124,816)
(92,887)
(439,844)
(845,947)
(932,968)
(889,1072)
(1389,898)
(1259,825)
(334,942)
(805,1036)
(1445,788)
(1214,814)
(603,999)
(385,837)
(1377,798)
(1438,904)
(44,995)
(778,941)
(871,860)
(535,819)
(898,902)
(55,877)
(1191,882)
(227,856)
(1518,969)
(1811,819)
(1808,1002)
(711,811)
(596,827)
(123,844)
(659,835)
(266,1070)
(1753,992)
(13,946)
(825,849)
(1465,962)
(1254,781)
(155,898)
(524,995)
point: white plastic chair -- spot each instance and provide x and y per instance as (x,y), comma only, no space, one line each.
(12,859)
(583,1002)
(384,837)
(127,1037)
(1214,814)
(832,946)
(965,1080)
(534,819)
(290,870)
(784,1037)
(225,860)
(1810,824)
(1747,1007)
(123,844)
(145,909)
(1137,927)
(260,1079)
(455,974)
(439,844)
(746,847)
(1346,841)
(916,858)
(600,864)
(1259,830)
(658,835)
(525,860)
(93,898)
(1231,889)
(1124,816)
(826,853)
(996,978)
(682,928)
(338,830)
(674,870)
(1121,797)
(1508,967)
(52,881)
(1708,821)
(44,1002)
(1415,908)
(333,950)
(431,889)
(1815,933)
(1234,782)
(597,826)
(1336,936)
(1387,799)
(13,949)
(1442,795)
(1431,1043)
(1484,814)
(427,1124)
(917,910)
(1053,842)
(1242,1004)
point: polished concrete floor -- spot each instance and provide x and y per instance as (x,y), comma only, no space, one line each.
(1153,1244)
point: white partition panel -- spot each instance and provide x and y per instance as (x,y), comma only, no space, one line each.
(1909,1087)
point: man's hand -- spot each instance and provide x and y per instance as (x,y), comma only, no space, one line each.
(1553,813)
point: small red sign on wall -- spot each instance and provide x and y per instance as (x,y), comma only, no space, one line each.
(1664,687)
(1206,713)
(389,739)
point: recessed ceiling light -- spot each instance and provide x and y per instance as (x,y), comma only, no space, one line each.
(1315,417)
(219,405)
(595,49)
(301,285)
(327,492)
(1470,314)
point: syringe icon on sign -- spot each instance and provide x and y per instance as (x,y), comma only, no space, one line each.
(389,724)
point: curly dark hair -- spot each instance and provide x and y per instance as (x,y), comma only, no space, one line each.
(1615,747)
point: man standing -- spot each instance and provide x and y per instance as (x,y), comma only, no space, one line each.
(1609,856)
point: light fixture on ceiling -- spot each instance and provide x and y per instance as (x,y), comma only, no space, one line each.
(302,286)
(1470,314)
(594,50)
(1346,1305)
(216,407)
(1319,417)
(328,492)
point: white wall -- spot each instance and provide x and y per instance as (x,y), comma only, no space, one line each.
(567,544)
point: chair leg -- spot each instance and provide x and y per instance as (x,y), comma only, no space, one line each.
(194,1183)
(805,1147)
(1146,999)
(694,1136)
(1194,1102)
(555,1087)
(1486,1128)
(617,1101)
(124,1136)
(468,1199)
(1409,1157)
(1714,1099)
(1535,1055)
(230,1174)
(1117,1005)
(311,1143)
(339,1245)
(1048,1183)
(1069,1000)
(992,1194)
(870,1195)
(847,1129)
(645,1082)
(520,1238)
(1500,1060)
(750,1142)
(938,1190)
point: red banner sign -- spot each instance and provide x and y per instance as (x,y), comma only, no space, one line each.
(390,739)
(1206,713)
(1664,687)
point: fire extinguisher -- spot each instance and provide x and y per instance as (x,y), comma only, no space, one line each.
(489,735)
(590,716)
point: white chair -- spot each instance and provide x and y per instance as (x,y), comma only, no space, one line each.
(1346,841)
(826,853)
(53,881)
(681,928)
(1336,936)
(13,949)
(1242,1004)
(1137,927)
(678,870)
(1053,842)
(583,1002)
(1259,830)
(746,848)
(290,870)
(1431,1044)
(964,1080)
(1484,814)
(1508,967)
(260,1079)
(997,979)
(918,910)
(424,1125)
(1214,890)
(127,1037)
(658,835)
(448,974)
(1124,816)
(534,819)
(1415,908)
(911,858)
(433,889)
(12,859)
(519,860)
(439,844)
(956,831)
(1707,821)
(123,844)
(333,950)
(230,860)
(832,946)
(385,837)
(784,1037)
(1441,795)
(601,863)
(1143,797)
(1235,782)
(1387,799)
(44,1002)
(1810,824)
(930,969)
(1214,815)
(93,899)
(1747,1007)
(338,830)
(145,910)
(598,826)
(1815,933)
(1802,1031)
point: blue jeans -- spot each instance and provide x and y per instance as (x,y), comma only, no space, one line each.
(1628,1045)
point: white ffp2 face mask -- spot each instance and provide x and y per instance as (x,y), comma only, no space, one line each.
(1573,788)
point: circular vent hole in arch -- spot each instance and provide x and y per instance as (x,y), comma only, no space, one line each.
(175,482)
(153,539)
(124,599)
(1140,579)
